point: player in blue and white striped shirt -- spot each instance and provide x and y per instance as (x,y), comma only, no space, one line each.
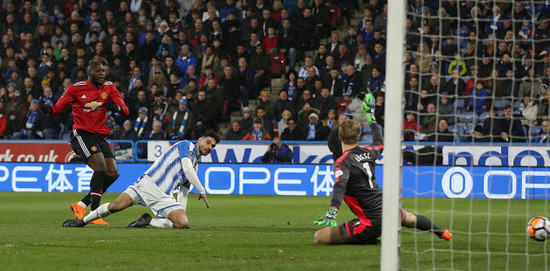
(177,168)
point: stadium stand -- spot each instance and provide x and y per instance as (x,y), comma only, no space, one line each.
(171,51)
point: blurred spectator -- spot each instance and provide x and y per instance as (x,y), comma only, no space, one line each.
(246,77)
(179,128)
(246,121)
(258,133)
(333,82)
(376,82)
(352,81)
(128,132)
(529,85)
(143,123)
(356,108)
(156,132)
(326,103)
(429,120)
(277,153)
(203,115)
(314,130)
(543,135)
(283,123)
(446,109)
(282,104)
(343,104)
(478,103)
(292,133)
(265,101)
(17,106)
(509,128)
(410,127)
(331,121)
(442,134)
(379,109)
(528,109)
(476,135)
(158,115)
(235,133)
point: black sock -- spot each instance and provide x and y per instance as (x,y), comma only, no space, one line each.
(87,199)
(96,188)
(108,181)
(424,224)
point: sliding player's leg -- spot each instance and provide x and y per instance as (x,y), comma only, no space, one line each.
(422,223)
(328,235)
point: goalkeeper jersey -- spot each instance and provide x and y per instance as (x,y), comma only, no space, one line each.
(167,170)
(356,182)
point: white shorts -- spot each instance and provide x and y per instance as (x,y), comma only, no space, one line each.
(145,192)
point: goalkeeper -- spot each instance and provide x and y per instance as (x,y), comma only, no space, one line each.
(356,184)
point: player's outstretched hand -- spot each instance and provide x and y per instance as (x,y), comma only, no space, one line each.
(203,197)
(368,107)
(329,220)
(46,109)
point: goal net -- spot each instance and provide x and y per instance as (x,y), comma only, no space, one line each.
(476,136)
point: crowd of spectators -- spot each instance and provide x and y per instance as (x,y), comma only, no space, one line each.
(183,67)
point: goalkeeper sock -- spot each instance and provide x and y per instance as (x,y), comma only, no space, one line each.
(102,211)
(96,188)
(161,223)
(424,224)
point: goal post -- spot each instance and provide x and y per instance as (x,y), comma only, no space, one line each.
(393,131)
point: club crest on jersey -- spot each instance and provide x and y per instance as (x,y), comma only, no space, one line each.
(104,95)
(92,106)
(93,148)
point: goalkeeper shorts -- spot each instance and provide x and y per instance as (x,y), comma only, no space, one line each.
(363,231)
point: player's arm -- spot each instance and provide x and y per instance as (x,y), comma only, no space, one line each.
(61,104)
(192,177)
(118,104)
(338,192)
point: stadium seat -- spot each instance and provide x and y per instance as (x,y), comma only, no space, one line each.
(501,103)
(458,131)
(484,116)
(516,105)
(459,105)
(467,117)
(469,128)
(533,132)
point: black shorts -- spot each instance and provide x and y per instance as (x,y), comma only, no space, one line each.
(85,144)
(361,231)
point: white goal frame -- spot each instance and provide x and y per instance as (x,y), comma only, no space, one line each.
(393,133)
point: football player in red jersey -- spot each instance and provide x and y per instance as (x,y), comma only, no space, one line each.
(356,184)
(89,99)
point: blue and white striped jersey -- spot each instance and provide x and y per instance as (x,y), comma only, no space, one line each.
(167,171)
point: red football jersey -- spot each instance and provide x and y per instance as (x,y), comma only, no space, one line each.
(90,105)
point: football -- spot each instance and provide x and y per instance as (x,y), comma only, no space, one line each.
(538,228)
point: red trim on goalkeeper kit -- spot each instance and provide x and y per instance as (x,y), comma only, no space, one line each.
(402,214)
(347,228)
(377,147)
(95,194)
(338,162)
(353,204)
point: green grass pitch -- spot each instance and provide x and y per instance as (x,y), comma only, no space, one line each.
(259,233)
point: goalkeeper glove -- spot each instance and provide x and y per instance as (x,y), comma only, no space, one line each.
(368,107)
(329,220)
